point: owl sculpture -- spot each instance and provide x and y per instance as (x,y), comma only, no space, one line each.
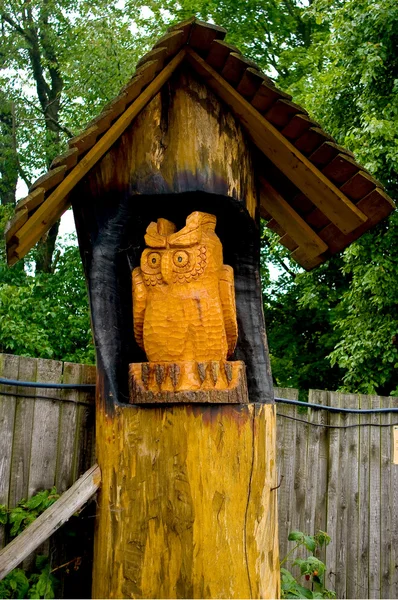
(183,295)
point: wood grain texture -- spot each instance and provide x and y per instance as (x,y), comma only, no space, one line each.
(189,382)
(22,438)
(156,155)
(48,522)
(183,294)
(286,451)
(195,516)
(9,370)
(45,429)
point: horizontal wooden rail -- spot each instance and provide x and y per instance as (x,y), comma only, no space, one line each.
(51,520)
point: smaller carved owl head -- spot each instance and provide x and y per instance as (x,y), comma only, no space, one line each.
(174,257)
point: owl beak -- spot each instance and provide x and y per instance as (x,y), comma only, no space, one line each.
(166,268)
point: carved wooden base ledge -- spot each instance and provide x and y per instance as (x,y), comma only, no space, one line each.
(213,382)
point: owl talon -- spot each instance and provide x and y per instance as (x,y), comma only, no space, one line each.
(174,373)
(228,372)
(160,375)
(145,374)
(214,371)
(202,368)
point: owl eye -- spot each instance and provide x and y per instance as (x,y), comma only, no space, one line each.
(154,260)
(181,258)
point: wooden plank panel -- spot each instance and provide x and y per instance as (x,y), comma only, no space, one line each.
(364,508)
(393,500)
(218,54)
(53,207)
(203,34)
(359,186)
(172,42)
(23,432)
(251,81)
(155,54)
(31,201)
(15,224)
(8,369)
(297,125)
(281,113)
(341,169)
(291,222)
(288,242)
(386,506)
(43,460)
(72,373)
(374,502)
(49,180)
(266,95)
(84,452)
(333,495)
(68,158)
(376,205)
(184,26)
(311,140)
(86,140)
(283,154)
(352,531)
(342,499)
(286,438)
(319,460)
(235,66)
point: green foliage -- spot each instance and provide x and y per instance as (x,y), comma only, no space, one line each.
(40,583)
(45,315)
(311,568)
(27,511)
(333,328)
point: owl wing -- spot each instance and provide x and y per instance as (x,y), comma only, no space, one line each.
(139,306)
(227,295)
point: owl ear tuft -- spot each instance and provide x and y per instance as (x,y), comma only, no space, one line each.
(200,219)
(152,237)
(166,227)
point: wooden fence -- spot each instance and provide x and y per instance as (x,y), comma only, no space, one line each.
(337,476)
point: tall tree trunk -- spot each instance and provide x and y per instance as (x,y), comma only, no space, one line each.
(8,154)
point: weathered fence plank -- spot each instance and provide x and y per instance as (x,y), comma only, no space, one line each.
(286,446)
(9,369)
(363,540)
(353,508)
(22,438)
(374,502)
(43,461)
(385,504)
(393,502)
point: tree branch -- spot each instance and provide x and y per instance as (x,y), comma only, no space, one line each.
(60,127)
(279,259)
(5,17)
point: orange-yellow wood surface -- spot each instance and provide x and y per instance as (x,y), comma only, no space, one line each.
(186,507)
(162,382)
(184,140)
(183,295)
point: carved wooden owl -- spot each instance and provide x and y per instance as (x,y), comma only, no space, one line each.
(183,295)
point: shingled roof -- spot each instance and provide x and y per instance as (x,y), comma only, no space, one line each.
(315,196)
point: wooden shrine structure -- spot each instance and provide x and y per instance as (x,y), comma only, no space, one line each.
(167,186)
